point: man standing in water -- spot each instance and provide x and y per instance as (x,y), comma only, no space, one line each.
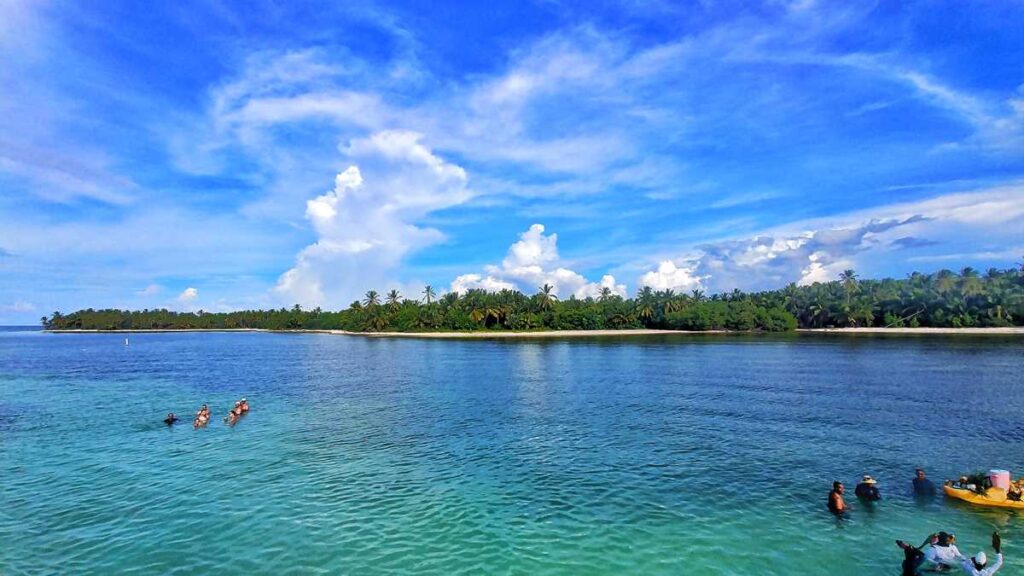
(836,504)
(922,485)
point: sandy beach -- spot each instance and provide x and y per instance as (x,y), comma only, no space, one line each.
(1017,330)
(954,331)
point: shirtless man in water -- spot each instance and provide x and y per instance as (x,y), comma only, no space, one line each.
(836,504)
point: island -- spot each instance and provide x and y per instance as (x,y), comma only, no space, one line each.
(965,301)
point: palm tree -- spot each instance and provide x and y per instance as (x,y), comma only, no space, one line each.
(372,299)
(645,294)
(848,278)
(450,299)
(697,295)
(428,293)
(606,294)
(547,296)
(645,312)
(394,300)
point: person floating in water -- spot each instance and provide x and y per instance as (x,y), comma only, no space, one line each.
(867,489)
(202,416)
(171,419)
(836,504)
(245,405)
(922,485)
(231,418)
(943,553)
(913,556)
(978,565)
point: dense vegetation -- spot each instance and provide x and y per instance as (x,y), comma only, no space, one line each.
(945,299)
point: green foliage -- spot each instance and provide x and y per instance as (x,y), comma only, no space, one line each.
(946,299)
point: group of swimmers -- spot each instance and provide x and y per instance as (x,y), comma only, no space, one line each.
(203,415)
(938,551)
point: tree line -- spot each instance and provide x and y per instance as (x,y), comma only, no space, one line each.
(942,299)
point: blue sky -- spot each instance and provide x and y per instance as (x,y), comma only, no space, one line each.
(217,155)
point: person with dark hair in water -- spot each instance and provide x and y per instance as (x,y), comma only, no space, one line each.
(913,556)
(836,504)
(922,485)
(943,553)
(245,405)
(171,419)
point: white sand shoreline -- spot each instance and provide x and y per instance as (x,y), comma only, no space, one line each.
(955,331)
(1014,331)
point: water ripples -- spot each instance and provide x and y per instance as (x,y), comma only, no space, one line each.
(377,457)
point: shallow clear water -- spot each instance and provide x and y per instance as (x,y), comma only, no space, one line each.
(664,455)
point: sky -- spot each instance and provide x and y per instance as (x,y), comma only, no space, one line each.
(213,155)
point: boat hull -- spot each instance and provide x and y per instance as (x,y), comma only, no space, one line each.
(983,499)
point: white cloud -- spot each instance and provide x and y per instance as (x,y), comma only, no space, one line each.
(531,262)
(367,224)
(668,276)
(188,295)
(818,250)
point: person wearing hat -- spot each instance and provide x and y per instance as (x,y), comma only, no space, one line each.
(867,489)
(978,566)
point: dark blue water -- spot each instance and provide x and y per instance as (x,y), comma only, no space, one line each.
(662,455)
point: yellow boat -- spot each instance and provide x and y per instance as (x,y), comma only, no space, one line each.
(995,497)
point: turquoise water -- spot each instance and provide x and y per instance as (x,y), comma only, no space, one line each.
(663,455)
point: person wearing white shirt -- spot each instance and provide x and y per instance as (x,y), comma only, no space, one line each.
(979,566)
(943,552)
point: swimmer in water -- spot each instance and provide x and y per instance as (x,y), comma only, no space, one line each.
(171,419)
(231,418)
(245,405)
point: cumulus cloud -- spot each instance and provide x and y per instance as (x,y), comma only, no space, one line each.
(771,261)
(188,295)
(367,224)
(668,276)
(532,262)
(825,247)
